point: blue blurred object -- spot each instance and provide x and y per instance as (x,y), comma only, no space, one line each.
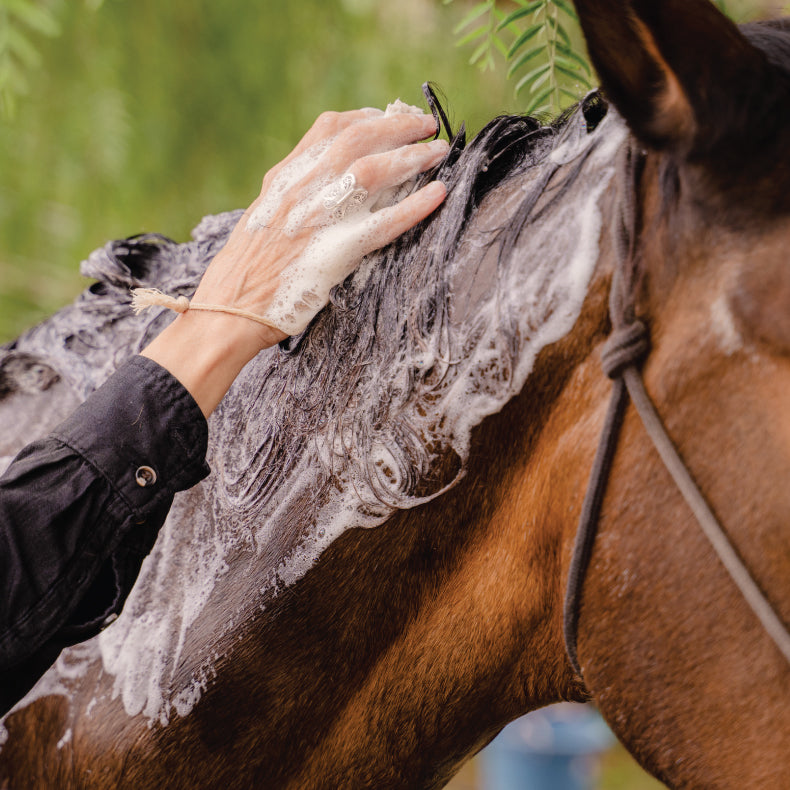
(555,748)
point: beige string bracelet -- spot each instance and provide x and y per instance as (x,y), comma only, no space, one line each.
(143,298)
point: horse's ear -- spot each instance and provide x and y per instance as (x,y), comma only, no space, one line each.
(677,70)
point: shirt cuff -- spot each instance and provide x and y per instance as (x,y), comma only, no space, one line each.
(143,432)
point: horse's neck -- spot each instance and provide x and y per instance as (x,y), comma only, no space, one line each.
(453,601)
(270,531)
(448,626)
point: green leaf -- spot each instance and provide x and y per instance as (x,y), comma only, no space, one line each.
(500,46)
(475,34)
(541,45)
(566,7)
(538,103)
(549,75)
(570,94)
(20,46)
(33,16)
(572,73)
(475,13)
(563,35)
(483,49)
(533,75)
(528,34)
(558,30)
(528,9)
(567,52)
(524,58)
(570,66)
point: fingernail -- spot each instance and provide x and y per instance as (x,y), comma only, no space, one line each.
(439,146)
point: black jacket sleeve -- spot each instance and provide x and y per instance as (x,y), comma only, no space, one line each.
(81,509)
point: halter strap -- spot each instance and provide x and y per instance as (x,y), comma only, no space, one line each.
(623,354)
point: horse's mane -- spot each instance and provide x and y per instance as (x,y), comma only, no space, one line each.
(397,309)
(771,36)
(371,409)
(388,348)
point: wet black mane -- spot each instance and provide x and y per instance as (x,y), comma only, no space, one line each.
(322,381)
(773,38)
(325,374)
(371,409)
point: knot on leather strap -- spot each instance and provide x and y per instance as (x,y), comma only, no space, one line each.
(626,346)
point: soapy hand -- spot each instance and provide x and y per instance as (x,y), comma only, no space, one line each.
(301,236)
(305,233)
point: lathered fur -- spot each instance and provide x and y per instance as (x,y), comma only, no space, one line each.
(356,417)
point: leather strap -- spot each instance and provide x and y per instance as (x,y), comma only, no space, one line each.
(623,354)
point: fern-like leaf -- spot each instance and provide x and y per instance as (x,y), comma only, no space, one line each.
(542,39)
(20,22)
(568,74)
(535,39)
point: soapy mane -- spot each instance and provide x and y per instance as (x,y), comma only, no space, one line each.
(382,350)
(369,411)
(386,348)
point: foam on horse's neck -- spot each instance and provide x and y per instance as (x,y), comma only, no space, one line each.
(273,504)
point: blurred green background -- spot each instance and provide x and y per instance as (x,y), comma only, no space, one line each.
(145,115)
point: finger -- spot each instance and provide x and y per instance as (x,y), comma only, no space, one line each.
(327,126)
(386,225)
(378,172)
(376,135)
(331,124)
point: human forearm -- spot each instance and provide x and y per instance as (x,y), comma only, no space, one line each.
(206,352)
(90,498)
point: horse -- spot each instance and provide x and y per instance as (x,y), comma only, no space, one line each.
(371,583)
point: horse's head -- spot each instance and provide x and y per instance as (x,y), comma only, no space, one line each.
(709,107)
(709,103)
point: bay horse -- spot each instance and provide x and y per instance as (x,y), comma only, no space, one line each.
(370,584)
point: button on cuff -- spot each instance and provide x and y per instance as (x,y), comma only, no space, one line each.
(141,416)
(145,476)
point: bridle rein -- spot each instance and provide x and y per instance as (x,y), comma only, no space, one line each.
(623,354)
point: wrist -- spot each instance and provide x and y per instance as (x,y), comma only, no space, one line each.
(206,351)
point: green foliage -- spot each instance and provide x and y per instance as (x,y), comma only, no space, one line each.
(555,72)
(147,115)
(540,41)
(543,46)
(21,22)
(480,27)
(533,36)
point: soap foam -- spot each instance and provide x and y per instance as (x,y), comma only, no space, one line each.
(291,174)
(338,243)
(271,496)
(338,481)
(399,107)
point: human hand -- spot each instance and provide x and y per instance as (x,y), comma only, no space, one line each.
(291,247)
(298,239)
